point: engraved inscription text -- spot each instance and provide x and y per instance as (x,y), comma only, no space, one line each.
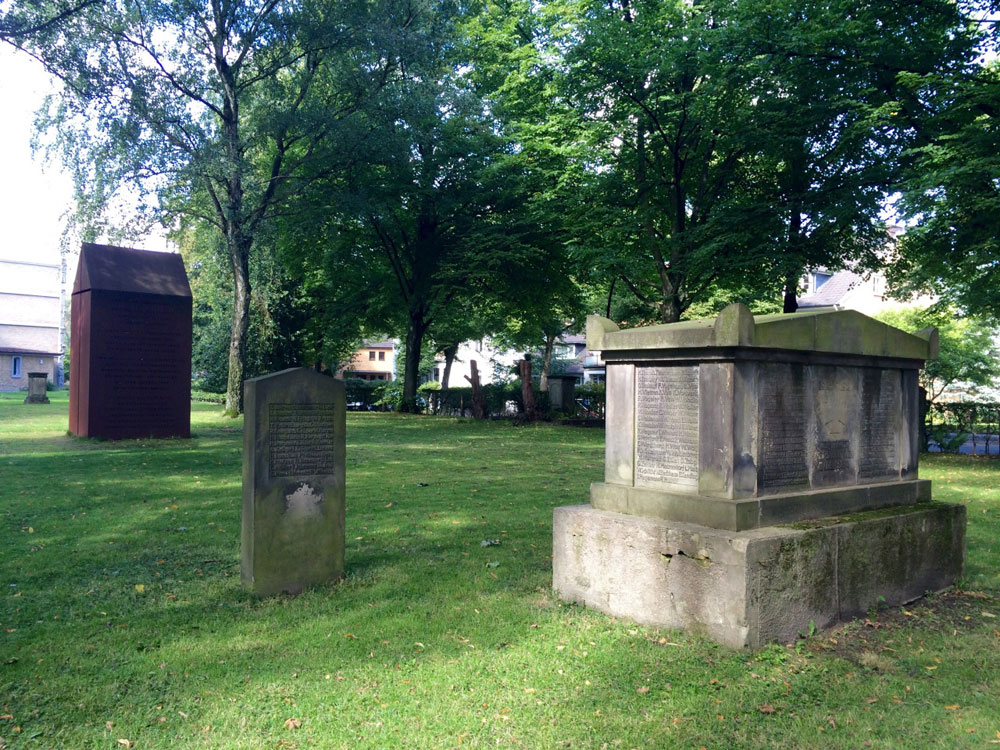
(667,425)
(301,439)
(782,429)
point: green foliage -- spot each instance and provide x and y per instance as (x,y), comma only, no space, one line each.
(215,113)
(952,193)
(361,394)
(733,145)
(966,351)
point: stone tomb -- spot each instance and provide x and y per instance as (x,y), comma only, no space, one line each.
(37,381)
(130,370)
(293,481)
(760,473)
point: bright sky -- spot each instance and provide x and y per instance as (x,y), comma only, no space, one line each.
(35,196)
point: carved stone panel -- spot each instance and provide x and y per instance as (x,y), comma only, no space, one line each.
(666,430)
(836,402)
(782,422)
(881,425)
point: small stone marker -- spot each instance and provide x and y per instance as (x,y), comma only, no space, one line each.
(36,388)
(293,481)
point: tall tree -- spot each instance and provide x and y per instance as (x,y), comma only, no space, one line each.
(432,223)
(952,196)
(218,107)
(738,143)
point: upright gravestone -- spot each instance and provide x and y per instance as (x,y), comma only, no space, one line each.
(562,393)
(36,388)
(130,373)
(293,481)
(760,474)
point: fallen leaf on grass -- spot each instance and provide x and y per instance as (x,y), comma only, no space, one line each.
(125,743)
(988,614)
(292,723)
(643,689)
(873,699)
(767,708)
(954,707)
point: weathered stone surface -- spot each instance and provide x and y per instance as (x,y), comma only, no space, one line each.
(760,475)
(750,513)
(130,374)
(843,332)
(562,393)
(619,420)
(739,409)
(36,388)
(751,587)
(293,481)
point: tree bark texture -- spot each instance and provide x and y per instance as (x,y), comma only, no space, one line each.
(527,390)
(478,398)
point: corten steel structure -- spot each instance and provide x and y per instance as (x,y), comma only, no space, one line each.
(130,369)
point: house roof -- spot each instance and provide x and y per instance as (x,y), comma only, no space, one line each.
(122,269)
(387,344)
(18,350)
(833,290)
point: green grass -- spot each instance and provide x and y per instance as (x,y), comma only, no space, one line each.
(122,617)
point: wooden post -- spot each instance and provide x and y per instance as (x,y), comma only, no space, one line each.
(478,399)
(527,390)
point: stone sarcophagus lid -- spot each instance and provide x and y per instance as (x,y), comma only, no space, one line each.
(739,422)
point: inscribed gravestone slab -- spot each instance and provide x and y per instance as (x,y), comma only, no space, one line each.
(293,481)
(881,404)
(666,426)
(783,419)
(36,388)
(836,424)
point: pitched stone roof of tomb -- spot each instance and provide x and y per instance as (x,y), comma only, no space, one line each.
(827,331)
(123,269)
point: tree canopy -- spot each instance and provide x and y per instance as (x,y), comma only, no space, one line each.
(447,170)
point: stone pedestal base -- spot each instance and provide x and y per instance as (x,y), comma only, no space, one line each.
(748,588)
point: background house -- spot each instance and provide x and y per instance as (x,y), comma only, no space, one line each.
(31,322)
(374,360)
(492,362)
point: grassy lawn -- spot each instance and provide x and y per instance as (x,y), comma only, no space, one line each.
(123,623)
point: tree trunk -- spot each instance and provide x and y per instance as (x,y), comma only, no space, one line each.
(449,360)
(239,255)
(791,288)
(527,390)
(543,381)
(478,399)
(414,342)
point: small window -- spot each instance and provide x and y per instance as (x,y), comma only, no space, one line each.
(371,355)
(381,356)
(819,279)
(15,367)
